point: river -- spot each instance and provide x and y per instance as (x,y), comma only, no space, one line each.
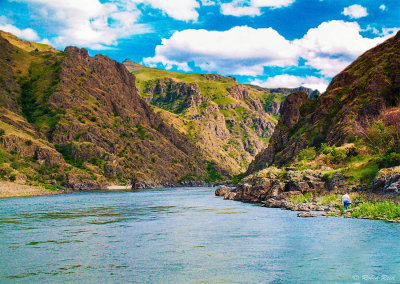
(186,235)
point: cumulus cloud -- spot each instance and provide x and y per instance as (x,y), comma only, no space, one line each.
(355,11)
(88,23)
(8,26)
(240,8)
(28,34)
(237,8)
(208,2)
(272,3)
(291,81)
(242,50)
(99,25)
(184,10)
(333,45)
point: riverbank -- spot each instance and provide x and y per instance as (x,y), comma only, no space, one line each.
(364,205)
(10,189)
(315,191)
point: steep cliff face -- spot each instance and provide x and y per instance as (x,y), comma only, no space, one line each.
(290,116)
(82,119)
(367,91)
(229,122)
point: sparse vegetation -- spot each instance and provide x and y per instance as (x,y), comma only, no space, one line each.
(387,210)
(301,198)
(307,154)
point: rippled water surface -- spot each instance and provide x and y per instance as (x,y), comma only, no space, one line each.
(186,236)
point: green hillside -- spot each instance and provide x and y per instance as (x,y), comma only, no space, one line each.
(230,122)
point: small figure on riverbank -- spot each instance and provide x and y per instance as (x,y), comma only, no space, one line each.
(346,201)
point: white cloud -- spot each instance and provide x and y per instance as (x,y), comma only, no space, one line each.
(28,34)
(7,25)
(98,25)
(355,11)
(236,8)
(291,81)
(184,10)
(208,2)
(240,50)
(240,8)
(329,48)
(382,7)
(333,45)
(271,3)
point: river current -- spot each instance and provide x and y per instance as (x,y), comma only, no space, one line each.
(186,235)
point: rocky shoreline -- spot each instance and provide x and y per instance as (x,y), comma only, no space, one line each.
(279,188)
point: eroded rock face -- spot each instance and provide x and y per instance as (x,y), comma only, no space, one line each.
(9,88)
(289,118)
(84,114)
(216,77)
(274,108)
(364,92)
(177,96)
(387,180)
(44,154)
(274,185)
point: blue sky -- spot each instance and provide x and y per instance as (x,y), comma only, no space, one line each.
(271,43)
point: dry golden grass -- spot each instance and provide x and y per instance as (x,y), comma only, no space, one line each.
(26,45)
(9,189)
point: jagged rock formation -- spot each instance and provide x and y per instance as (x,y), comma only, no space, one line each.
(387,180)
(289,118)
(78,121)
(366,91)
(226,120)
(273,187)
(229,122)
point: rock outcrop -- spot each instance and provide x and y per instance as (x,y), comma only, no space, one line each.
(275,187)
(289,118)
(365,92)
(387,181)
(173,96)
(78,121)
(226,120)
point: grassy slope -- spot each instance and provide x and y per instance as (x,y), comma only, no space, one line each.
(28,126)
(227,153)
(31,62)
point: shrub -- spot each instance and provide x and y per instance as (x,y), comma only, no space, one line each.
(333,154)
(388,160)
(307,154)
(4,172)
(2,132)
(212,175)
(237,178)
(12,177)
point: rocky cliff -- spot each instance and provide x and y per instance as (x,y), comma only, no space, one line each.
(76,120)
(230,122)
(366,93)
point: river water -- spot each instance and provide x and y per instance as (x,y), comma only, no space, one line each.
(186,235)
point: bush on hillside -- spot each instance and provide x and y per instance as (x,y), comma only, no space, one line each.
(307,154)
